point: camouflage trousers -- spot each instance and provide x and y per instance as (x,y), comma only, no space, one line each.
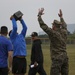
(59,67)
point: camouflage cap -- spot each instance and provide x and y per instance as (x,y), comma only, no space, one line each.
(57,23)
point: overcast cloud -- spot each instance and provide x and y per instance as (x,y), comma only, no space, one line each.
(30,10)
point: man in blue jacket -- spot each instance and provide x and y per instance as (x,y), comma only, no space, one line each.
(19,45)
(5,51)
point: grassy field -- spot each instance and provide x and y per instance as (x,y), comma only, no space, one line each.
(47,59)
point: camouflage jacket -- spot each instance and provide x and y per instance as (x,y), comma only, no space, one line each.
(57,38)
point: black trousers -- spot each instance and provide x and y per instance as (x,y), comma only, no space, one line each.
(4,71)
(19,65)
(39,69)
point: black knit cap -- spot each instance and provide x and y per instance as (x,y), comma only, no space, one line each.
(34,34)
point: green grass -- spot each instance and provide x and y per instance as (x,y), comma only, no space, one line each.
(47,59)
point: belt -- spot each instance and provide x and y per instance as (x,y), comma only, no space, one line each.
(20,56)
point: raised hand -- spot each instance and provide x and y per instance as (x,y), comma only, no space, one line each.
(41,11)
(35,64)
(60,13)
(11,17)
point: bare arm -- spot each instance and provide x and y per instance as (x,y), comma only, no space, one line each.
(10,58)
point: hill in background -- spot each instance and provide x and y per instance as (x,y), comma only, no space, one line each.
(71,28)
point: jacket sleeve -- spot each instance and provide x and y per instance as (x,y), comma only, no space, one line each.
(23,32)
(14,30)
(64,25)
(48,30)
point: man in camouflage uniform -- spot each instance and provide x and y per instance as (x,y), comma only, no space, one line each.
(58,37)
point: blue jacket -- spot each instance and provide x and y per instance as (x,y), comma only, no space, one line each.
(18,40)
(5,47)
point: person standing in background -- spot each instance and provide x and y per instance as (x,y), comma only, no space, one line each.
(6,51)
(36,56)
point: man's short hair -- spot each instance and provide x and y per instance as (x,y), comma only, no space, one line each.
(4,30)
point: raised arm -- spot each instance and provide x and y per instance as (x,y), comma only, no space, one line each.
(23,32)
(64,25)
(14,25)
(42,24)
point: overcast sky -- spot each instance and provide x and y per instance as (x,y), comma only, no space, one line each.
(30,9)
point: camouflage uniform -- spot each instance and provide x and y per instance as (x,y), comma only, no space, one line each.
(58,40)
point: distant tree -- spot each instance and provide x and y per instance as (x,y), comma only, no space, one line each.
(43,36)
